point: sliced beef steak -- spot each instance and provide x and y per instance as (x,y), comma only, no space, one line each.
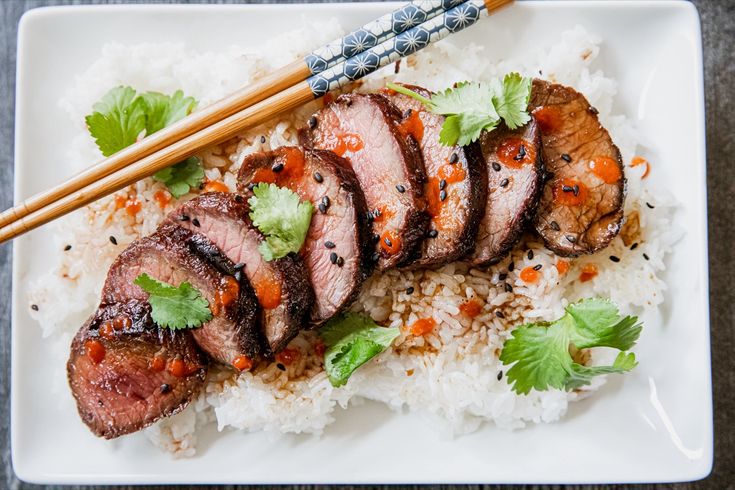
(456,189)
(581,208)
(125,372)
(337,251)
(281,286)
(170,256)
(364,129)
(515,177)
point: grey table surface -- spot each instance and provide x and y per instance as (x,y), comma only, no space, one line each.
(718,27)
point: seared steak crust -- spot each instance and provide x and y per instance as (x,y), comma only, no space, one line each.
(113,378)
(281,286)
(579,152)
(458,171)
(168,256)
(515,177)
(364,129)
(337,251)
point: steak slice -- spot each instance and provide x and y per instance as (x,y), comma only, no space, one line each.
(125,373)
(459,172)
(364,129)
(281,286)
(170,256)
(581,208)
(515,177)
(337,249)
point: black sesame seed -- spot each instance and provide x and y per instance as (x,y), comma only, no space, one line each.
(454,158)
(615,258)
(277,167)
(499,314)
(34,307)
(113,240)
(645,256)
(508,288)
(251,186)
(239,198)
(329,244)
(566,157)
(442,195)
(318,177)
(195,222)
(593,110)
(376,238)
(549,175)
(183,217)
(348,102)
(566,188)
(326,201)
(554,226)
(333,257)
(238,276)
(432,234)
(340,261)
(504,183)
(322,208)
(410,290)
(511,266)
(521,154)
(442,184)
(571,238)
(281,366)
(634,246)
(400,188)
(407,114)
(650,206)
(165,388)
(67,248)
(375,256)
(388,242)
(530,255)
(239,266)
(502,276)
(496,166)
(537,267)
(500,375)
(312,122)
(262,140)
(576,190)
(376,213)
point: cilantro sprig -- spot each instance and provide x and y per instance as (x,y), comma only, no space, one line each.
(282,217)
(352,340)
(473,107)
(541,354)
(122,116)
(175,307)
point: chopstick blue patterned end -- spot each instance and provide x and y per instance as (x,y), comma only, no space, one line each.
(375,32)
(408,42)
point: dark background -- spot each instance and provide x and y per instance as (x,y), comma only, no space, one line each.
(718,27)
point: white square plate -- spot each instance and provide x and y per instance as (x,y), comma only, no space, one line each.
(655,425)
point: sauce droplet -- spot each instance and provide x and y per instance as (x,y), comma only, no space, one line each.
(158,363)
(413,126)
(606,169)
(548,118)
(162,198)
(242,363)
(470,308)
(390,243)
(287,356)
(423,326)
(562,266)
(216,186)
(529,275)
(95,350)
(570,192)
(516,152)
(589,271)
(268,291)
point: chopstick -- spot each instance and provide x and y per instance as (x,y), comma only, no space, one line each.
(453,20)
(337,51)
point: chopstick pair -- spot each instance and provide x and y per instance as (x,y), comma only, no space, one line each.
(350,58)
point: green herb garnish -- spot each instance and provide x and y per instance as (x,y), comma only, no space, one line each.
(541,354)
(282,217)
(175,307)
(352,340)
(122,116)
(473,107)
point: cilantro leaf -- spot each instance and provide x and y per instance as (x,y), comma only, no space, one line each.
(352,340)
(512,101)
(281,217)
(164,110)
(540,354)
(473,107)
(182,177)
(174,307)
(121,116)
(117,120)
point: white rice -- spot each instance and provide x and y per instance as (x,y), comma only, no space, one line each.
(451,374)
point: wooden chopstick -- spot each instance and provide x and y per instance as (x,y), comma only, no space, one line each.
(354,68)
(357,41)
